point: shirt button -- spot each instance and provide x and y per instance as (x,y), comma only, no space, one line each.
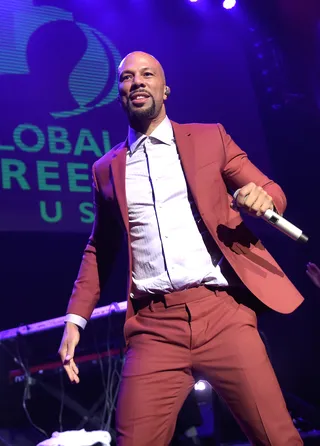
(131,295)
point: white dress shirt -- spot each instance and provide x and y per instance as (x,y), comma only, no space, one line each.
(168,252)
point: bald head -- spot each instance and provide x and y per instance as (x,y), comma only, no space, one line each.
(142,58)
(142,88)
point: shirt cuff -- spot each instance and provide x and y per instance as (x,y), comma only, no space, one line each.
(235,195)
(77,320)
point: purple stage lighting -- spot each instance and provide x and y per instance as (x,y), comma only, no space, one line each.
(193,1)
(229,4)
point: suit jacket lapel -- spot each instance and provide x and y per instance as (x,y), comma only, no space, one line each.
(118,168)
(187,154)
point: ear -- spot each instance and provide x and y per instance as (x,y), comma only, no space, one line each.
(167,92)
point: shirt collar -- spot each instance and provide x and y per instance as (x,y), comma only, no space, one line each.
(163,133)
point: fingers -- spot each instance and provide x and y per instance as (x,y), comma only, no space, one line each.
(69,365)
(70,350)
(267,204)
(312,277)
(313,268)
(313,272)
(254,199)
(69,362)
(66,352)
(262,203)
(244,193)
(72,370)
(309,274)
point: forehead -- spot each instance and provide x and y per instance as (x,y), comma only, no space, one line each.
(136,63)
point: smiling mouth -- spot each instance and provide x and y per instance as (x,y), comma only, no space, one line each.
(139,99)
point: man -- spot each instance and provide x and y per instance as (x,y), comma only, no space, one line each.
(163,194)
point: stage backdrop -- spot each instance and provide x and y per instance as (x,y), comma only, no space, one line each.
(59,113)
(58,94)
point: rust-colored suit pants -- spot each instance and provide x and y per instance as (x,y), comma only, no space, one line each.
(208,332)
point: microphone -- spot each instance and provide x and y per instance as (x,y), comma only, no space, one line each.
(284,226)
(281,223)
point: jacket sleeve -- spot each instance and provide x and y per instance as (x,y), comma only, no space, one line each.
(86,289)
(239,171)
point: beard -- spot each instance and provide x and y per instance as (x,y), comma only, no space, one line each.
(140,114)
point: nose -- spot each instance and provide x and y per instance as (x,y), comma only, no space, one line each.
(138,81)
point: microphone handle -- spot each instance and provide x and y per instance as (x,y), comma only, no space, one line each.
(284,226)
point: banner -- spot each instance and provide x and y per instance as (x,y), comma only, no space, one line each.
(58,99)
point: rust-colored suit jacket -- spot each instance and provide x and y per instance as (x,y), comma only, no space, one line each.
(211,162)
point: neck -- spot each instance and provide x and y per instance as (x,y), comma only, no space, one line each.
(147,126)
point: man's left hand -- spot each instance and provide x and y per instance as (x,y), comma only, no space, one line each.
(254,199)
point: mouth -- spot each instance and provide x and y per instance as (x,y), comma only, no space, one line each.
(139,99)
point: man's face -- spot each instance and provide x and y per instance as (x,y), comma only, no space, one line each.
(141,86)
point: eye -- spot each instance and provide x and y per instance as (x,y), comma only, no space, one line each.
(126,77)
(148,74)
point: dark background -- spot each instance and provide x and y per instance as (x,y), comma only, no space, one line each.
(255,69)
